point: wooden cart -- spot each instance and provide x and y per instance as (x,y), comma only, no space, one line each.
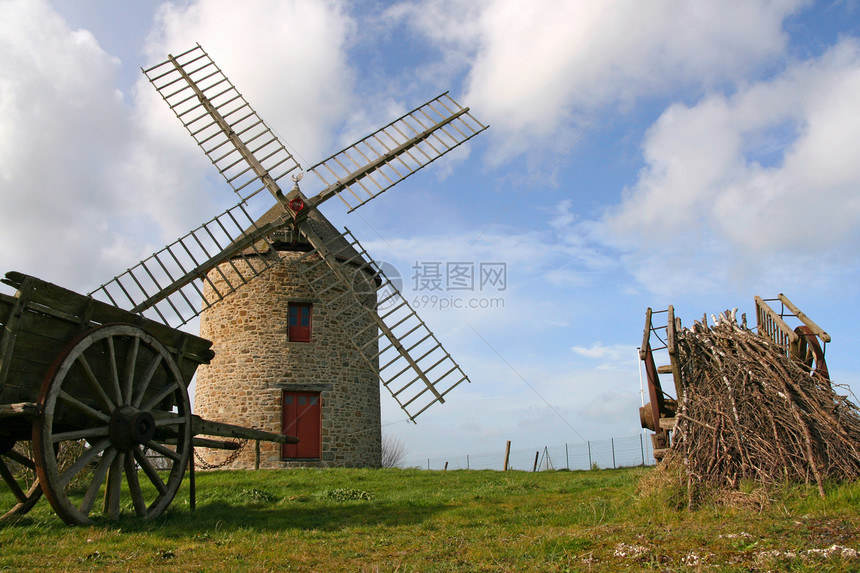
(87,390)
(804,343)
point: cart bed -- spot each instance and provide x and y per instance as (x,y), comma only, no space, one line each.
(42,319)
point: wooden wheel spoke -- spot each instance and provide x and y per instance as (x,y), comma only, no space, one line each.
(114,371)
(146,379)
(128,374)
(134,485)
(20,458)
(114,486)
(81,434)
(81,407)
(11,482)
(163,450)
(164,393)
(82,462)
(93,383)
(98,479)
(150,472)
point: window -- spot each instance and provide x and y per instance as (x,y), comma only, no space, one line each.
(302,416)
(299,320)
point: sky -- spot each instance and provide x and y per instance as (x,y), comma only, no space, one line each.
(640,154)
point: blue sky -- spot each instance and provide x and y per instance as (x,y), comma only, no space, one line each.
(691,153)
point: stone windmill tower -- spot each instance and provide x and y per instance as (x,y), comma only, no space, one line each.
(282,365)
(304,323)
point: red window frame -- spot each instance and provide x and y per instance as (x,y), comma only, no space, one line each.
(299,321)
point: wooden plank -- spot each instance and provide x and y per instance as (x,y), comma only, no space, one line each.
(47,294)
(646,337)
(660,452)
(23,383)
(23,378)
(9,334)
(20,409)
(38,328)
(804,319)
(69,306)
(209,428)
(671,340)
(35,343)
(765,311)
(7,303)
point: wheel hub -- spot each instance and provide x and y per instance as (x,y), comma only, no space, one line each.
(130,427)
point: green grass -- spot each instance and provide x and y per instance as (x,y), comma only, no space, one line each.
(415,520)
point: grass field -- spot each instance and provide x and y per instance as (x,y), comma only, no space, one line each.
(415,520)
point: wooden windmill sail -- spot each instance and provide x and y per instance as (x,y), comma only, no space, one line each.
(408,358)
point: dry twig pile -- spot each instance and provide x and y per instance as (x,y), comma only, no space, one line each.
(748,411)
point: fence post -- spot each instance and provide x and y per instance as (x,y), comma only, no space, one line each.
(507,454)
(193,485)
(428,463)
(590,464)
(467,460)
(537,453)
(642,447)
(612,441)
(566,457)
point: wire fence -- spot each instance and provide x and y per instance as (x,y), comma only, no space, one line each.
(597,454)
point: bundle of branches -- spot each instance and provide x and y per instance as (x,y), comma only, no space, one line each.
(748,411)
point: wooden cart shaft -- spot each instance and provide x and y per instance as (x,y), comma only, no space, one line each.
(209,428)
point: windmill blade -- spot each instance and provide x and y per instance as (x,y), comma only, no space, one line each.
(165,287)
(408,358)
(232,135)
(371,166)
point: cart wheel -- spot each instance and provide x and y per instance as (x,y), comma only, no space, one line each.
(112,392)
(24,486)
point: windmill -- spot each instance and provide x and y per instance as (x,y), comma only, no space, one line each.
(237,246)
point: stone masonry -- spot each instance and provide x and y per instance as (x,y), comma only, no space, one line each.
(254,363)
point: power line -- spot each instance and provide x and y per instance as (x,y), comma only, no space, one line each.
(533,389)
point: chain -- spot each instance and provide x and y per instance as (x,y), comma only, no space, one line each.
(230,459)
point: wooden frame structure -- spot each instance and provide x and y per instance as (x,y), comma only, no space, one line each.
(804,343)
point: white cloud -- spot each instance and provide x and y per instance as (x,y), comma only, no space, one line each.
(63,124)
(755,180)
(451,26)
(615,353)
(537,68)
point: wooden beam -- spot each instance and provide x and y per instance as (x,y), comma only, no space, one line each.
(21,409)
(209,428)
(804,319)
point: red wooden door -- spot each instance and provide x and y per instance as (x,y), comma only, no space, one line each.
(302,417)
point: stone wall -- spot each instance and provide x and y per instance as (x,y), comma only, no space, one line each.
(254,363)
